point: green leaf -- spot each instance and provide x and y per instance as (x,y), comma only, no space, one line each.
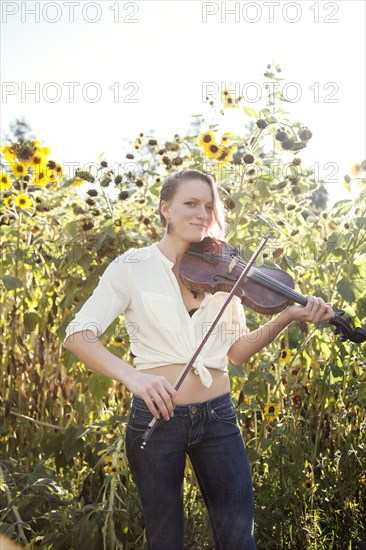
(72,228)
(99,385)
(332,241)
(11,283)
(262,187)
(336,371)
(85,535)
(265,443)
(341,208)
(73,443)
(360,222)
(251,112)
(253,456)
(236,370)
(361,308)
(31,319)
(269,378)
(345,289)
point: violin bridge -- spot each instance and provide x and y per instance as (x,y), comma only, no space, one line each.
(232,264)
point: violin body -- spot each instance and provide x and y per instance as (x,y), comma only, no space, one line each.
(205,268)
(212,265)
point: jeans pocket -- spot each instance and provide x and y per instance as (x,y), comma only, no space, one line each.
(224,413)
(139,419)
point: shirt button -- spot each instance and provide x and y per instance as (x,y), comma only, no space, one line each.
(193,409)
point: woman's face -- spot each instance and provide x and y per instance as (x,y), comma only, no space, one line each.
(190,211)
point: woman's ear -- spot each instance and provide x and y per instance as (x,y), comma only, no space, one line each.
(164,209)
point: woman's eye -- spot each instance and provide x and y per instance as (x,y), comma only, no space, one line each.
(189,202)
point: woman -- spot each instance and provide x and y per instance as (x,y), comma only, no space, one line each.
(166,322)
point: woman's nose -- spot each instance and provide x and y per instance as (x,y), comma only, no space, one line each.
(202,213)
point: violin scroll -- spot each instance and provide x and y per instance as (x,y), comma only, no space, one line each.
(356,335)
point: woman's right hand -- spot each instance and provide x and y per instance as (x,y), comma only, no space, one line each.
(149,387)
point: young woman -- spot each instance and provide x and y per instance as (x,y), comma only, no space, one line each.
(166,323)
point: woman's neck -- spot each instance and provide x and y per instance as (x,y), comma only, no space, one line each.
(173,249)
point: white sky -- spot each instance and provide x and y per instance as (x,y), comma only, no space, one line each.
(169,53)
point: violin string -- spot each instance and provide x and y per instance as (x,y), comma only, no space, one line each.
(277,285)
(269,282)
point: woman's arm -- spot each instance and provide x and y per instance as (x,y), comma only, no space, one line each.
(86,346)
(315,311)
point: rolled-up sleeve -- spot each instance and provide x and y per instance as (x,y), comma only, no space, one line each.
(109,299)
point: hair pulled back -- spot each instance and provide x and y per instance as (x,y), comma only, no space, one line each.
(169,188)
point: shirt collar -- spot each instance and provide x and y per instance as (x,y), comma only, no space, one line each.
(162,256)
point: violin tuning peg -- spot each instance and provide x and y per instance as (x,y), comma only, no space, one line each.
(343,338)
(341,312)
(337,331)
(349,319)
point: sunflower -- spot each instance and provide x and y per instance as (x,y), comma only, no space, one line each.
(214,151)
(356,169)
(8,152)
(228,100)
(41,151)
(59,171)
(78,181)
(227,154)
(23,201)
(285,356)
(9,201)
(206,139)
(36,160)
(19,169)
(307,485)
(5,181)
(272,411)
(40,178)
(226,137)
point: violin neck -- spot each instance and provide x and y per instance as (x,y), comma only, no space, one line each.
(279,287)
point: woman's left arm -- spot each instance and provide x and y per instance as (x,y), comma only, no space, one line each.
(315,311)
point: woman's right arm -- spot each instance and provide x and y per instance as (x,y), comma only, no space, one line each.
(86,346)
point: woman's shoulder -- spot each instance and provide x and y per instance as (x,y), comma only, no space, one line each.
(135,255)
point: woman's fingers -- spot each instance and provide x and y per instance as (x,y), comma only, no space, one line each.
(315,311)
(154,389)
(318,310)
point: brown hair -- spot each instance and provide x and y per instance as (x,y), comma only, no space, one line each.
(168,190)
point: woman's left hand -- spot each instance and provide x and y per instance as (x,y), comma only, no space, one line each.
(315,311)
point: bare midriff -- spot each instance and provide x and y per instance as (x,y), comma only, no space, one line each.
(192,390)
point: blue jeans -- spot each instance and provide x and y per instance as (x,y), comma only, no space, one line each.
(209,433)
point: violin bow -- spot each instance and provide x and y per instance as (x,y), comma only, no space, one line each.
(155,422)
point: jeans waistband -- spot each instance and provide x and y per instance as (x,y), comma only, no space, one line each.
(185,409)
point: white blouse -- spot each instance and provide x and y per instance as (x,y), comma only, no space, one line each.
(141,284)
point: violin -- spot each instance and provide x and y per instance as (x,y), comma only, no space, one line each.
(212,265)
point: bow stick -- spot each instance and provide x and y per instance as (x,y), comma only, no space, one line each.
(155,422)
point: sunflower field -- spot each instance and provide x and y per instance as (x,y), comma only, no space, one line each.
(64,477)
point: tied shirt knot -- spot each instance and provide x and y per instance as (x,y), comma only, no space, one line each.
(203,372)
